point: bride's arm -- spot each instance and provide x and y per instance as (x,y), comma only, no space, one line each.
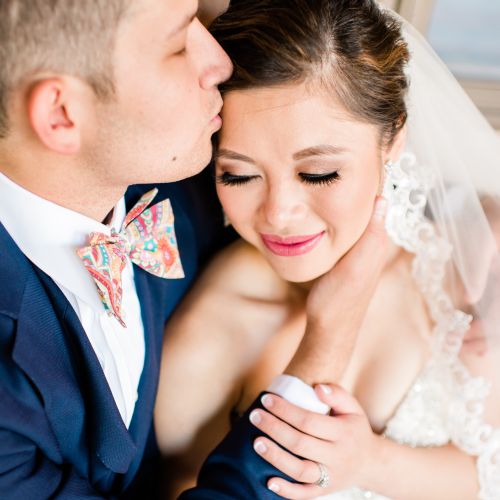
(209,343)
(432,473)
(337,305)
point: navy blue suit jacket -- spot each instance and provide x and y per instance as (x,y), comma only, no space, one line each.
(61,435)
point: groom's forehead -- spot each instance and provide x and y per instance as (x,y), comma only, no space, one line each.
(151,25)
(174,13)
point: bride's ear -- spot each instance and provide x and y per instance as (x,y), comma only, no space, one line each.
(397,147)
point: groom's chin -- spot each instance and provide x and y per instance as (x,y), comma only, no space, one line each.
(202,156)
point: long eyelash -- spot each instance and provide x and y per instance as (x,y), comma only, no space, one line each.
(320,179)
(233,180)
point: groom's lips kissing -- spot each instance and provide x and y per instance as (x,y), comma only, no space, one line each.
(216,121)
(291,246)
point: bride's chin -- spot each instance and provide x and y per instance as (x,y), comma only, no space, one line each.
(301,276)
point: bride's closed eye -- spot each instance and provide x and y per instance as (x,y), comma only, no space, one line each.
(228,179)
(320,179)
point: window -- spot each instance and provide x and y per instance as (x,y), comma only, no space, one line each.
(466,35)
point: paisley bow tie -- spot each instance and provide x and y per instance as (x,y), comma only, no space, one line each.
(147,238)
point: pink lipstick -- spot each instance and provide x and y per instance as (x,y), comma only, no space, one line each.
(291,246)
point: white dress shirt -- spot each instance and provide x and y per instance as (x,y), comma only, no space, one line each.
(49,236)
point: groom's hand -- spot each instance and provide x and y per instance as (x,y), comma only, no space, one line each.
(337,305)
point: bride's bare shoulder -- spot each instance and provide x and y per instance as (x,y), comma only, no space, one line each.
(241,269)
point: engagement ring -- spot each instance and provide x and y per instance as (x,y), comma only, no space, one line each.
(324,478)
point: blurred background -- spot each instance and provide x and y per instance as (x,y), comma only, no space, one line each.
(465,33)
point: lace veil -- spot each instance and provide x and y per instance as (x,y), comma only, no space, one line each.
(444,206)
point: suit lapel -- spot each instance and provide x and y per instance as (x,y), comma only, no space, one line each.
(108,437)
(53,350)
(39,346)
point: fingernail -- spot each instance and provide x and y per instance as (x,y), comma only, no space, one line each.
(255,417)
(274,487)
(380,208)
(267,400)
(260,447)
(325,389)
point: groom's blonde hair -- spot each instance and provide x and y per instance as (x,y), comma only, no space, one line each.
(74,37)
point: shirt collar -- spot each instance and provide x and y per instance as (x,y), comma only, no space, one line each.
(49,236)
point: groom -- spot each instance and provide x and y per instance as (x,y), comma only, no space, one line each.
(97,96)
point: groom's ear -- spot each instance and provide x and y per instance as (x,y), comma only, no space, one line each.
(55,113)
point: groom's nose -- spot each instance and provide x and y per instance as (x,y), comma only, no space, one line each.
(215,65)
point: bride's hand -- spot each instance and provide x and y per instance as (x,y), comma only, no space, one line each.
(345,444)
(350,283)
(337,304)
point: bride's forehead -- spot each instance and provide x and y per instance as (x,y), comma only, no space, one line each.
(253,124)
(284,110)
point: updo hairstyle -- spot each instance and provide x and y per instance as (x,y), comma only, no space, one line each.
(352,49)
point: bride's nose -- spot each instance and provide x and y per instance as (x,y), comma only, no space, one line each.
(284,204)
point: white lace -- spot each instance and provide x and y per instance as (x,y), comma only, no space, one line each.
(445,403)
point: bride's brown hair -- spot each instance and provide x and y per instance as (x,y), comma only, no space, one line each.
(352,48)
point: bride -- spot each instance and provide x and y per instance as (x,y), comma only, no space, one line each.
(331,104)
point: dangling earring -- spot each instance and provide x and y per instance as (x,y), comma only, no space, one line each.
(389,168)
(387,177)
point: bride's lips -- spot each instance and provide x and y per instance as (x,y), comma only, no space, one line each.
(291,246)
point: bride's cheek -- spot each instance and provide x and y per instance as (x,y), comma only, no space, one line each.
(350,218)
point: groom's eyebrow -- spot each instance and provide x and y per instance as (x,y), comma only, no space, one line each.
(185,23)
(232,155)
(321,150)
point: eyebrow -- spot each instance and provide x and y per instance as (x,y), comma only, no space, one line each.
(321,150)
(232,155)
(187,21)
